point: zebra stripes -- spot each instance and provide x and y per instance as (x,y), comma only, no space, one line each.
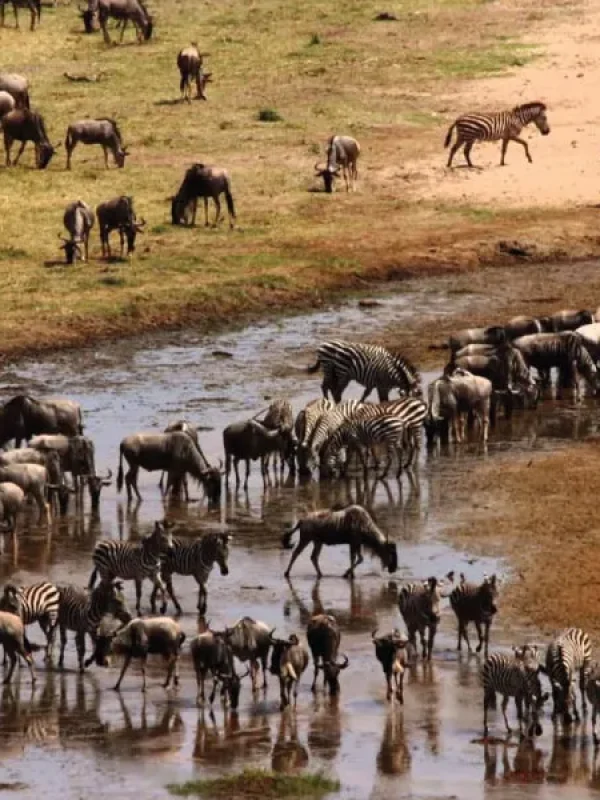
(37,603)
(329,422)
(475,603)
(372,366)
(132,561)
(81,611)
(195,558)
(592,690)
(412,412)
(355,434)
(505,125)
(513,676)
(419,605)
(568,654)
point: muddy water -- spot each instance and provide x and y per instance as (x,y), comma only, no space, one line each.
(74,738)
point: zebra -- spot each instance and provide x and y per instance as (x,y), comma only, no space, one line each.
(37,603)
(304,428)
(386,429)
(81,610)
(411,410)
(505,125)
(328,423)
(372,366)
(568,653)
(592,691)
(419,605)
(195,558)
(133,561)
(475,603)
(514,676)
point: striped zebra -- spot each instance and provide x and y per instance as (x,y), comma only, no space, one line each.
(329,422)
(514,676)
(81,610)
(569,653)
(372,366)
(195,558)
(419,605)
(133,561)
(37,603)
(505,125)
(412,411)
(475,603)
(592,691)
(304,427)
(356,434)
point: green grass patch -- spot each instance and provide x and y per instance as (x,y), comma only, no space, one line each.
(257,783)
(479,62)
(269,115)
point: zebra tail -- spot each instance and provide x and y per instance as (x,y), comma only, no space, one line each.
(93,577)
(286,539)
(120,474)
(314,368)
(489,701)
(449,135)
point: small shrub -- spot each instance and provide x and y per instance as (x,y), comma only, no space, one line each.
(314,40)
(269,115)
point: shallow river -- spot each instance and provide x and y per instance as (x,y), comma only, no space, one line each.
(73,738)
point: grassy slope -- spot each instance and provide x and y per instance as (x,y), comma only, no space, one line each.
(324,67)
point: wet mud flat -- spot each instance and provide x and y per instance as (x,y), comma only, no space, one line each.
(75,738)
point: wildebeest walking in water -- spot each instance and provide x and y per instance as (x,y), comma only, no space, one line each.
(205,182)
(24,126)
(189,63)
(34,7)
(24,416)
(104,132)
(125,11)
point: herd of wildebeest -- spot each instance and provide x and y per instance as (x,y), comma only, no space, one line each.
(491,371)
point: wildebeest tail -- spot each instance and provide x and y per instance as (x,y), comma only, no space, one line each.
(315,367)
(449,135)
(31,647)
(120,473)
(180,639)
(229,200)
(183,81)
(286,539)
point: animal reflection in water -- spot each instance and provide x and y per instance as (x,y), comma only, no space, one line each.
(394,756)
(289,754)
(325,728)
(235,741)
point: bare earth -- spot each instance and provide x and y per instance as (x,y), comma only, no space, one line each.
(566,164)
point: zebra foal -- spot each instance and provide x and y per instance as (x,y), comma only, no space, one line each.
(569,653)
(514,676)
(195,558)
(504,125)
(37,603)
(412,411)
(475,603)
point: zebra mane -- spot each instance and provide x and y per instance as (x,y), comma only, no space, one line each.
(407,367)
(536,105)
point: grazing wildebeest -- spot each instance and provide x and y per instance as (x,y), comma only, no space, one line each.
(17,86)
(104,132)
(353,526)
(250,640)
(12,500)
(33,480)
(189,63)
(118,215)
(79,220)
(23,417)
(494,335)
(342,153)
(24,126)
(249,441)
(504,125)
(125,11)
(565,351)
(451,398)
(174,453)
(323,636)
(34,7)
(202,181)
(289,659)
(394,653)
(7,103)
(212,652)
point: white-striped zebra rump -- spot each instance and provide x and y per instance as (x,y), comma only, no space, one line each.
(518,677)
(419,605)
(358,434)
(36,603)
(569,654)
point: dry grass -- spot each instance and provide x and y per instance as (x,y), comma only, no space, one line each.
(548,537)
(323,68)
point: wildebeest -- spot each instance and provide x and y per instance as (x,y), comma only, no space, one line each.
(7,103)
(249,441)
(342,153)
(202,181)
(29,455)
(323,636)
(564,351)
(125,11)
(118,215)
(33,480)
(189,63)
(250,640)
(475,603)
(15,643)
(353,526)
(522,326)
(394,653)
(104,132)
(175,453)
(186,427)
(590,335)
(23,125)
(34,7)
(495,335)
(568,320)
(289,659)
(79,220)
(280,416)
(17,86)
(12,500)
(451,398)
(23,416)
(211,652)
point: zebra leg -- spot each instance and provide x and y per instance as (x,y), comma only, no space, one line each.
(314,557)
(480,635)
(80,645)
(48,630)
(582,683)
(467,151)
(138,596)
(302,545)
(454,149)
(63,644)
(594,730)
(504,707)
(503,151)
(525,147)
(201,599)
(169,591)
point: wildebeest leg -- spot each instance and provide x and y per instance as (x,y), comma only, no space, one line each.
(19,154)
(131,477)
(217,203)
(86,245)
(313,688)
(33,13)
(122,238)
(138,596)
(105,150)
(126,663)
(314,557)
(247,473)
(356,558)
(302,545)
(194,210)
(123,26)
(346,177)
(454,149)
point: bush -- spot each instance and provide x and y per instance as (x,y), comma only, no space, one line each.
(269,115)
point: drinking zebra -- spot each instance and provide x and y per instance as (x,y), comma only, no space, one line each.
(570,652)
(592,690)
(412,411)
(419,605)
(132,561)
(514,676)
(328,423)
(81,611)
(195,558)
(505,125)
(372,366)
(475,603)
(37,603)
(356,434)
(304,427)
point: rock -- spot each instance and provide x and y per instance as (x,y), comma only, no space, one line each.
(369,303)
(386,16)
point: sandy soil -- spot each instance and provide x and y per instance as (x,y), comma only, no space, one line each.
(566,167)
